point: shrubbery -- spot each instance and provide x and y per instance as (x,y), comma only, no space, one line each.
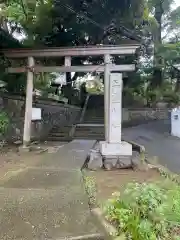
(4,123)
(146,212)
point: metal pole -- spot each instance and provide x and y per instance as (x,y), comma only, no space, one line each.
(106,95)
(29,99)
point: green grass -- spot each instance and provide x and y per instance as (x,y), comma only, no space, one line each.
(91,189)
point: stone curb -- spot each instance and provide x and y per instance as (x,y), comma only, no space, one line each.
(137,147)
(84,237)
(34,149)
(174,177)
(109,228)
(160,168)
(85,165)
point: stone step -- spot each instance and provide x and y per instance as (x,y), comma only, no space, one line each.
(84,133)
(94,118)
(88,135)
(62,129)
(59,139)
(93,121)
(94,115)
(99,138)
(90,129)
(59,134)
(89,132)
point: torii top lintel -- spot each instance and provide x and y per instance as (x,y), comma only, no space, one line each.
(124,49)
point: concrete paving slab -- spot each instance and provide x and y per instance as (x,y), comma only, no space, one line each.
(48,202)
(44,179)
(44,214)
(70,156)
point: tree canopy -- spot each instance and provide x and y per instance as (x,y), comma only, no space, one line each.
(7,41)
(72,22)
(154,23)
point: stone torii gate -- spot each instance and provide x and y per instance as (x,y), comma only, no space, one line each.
(113,84)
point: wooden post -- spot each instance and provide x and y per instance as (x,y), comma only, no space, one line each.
(29,100)
(106,95)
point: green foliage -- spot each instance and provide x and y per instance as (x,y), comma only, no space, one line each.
(50,23)
(65,28)
(28,17)
(4,122)
(15,83)
(124,19)
(146,211)
(42,81)
(171,97)
(96,87)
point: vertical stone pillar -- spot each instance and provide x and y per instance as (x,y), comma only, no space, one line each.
(114,147)
(106,95)
(29,100)
(115,107)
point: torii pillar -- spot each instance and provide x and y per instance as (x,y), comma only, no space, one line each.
(29,100)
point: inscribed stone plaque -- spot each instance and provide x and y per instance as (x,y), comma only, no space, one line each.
(115,108)
(115,113)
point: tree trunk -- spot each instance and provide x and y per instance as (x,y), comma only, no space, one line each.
(177,88)
(157,74)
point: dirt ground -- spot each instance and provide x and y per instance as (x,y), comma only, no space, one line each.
(108,182)
(13,162)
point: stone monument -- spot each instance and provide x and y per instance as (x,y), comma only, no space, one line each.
(113,149)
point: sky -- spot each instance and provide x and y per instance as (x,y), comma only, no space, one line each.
(176,3)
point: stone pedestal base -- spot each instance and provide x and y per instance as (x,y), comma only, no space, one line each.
(24,149)
(115,149)
(116,155)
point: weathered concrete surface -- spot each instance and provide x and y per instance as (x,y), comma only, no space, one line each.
(76,153)
(37,178)
(44,214)
(46,201)
(156,138)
